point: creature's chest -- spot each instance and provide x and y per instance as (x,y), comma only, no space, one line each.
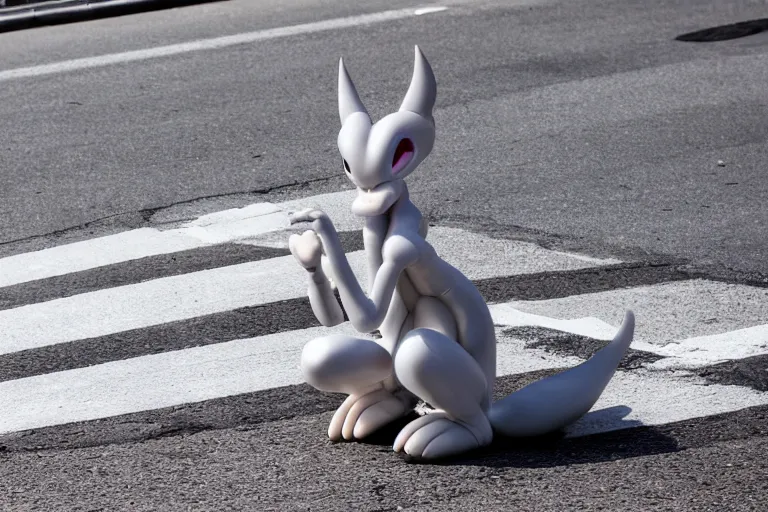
(427,276)
(421,278)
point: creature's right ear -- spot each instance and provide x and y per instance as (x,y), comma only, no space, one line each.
(420,98)
(349,101)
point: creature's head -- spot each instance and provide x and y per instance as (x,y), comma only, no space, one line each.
(376,157)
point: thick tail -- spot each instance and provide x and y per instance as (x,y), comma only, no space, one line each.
(554,402)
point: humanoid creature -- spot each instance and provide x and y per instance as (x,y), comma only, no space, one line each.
(437,340)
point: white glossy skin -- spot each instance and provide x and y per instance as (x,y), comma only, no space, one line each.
(438,340)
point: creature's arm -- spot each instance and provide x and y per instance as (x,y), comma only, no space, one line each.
(323,301)
(366,314)
(307,250)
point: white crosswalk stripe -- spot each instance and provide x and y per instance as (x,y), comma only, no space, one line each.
(176,298)
(684,324)
(677,318)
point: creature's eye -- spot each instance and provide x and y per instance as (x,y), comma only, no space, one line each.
(403,155)
(346,166)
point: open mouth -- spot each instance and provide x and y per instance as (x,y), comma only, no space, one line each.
(376,201)
(403,154)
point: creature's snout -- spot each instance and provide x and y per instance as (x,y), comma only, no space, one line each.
(376,157)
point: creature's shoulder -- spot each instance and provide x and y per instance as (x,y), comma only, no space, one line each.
(403,247)
(405,234)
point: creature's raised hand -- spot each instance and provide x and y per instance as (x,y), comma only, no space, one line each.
(307,249)
(312,215)
(319,219)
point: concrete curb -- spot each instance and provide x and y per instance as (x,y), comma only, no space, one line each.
(67,11)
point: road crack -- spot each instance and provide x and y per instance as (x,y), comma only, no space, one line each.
(141,218)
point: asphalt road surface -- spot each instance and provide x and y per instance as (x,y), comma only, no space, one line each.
(586,162)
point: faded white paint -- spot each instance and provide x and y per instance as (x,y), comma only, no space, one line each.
(267,224)
(97,252)
(669,312)
(651,398)
(715,348)
(212,43)
(248,365)
(508,316)
(186,296)
(154,381)
(159,301)
(227,226)
(691,323)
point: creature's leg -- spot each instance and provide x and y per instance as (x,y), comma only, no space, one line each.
(359,368)
(434,367)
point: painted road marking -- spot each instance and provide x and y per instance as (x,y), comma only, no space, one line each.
(652,398)
(97,252)
(214,43)
(249,224)
(233,225)
(692,323)
(216,290)
(154,302)
(155,381)
(715,348)
(591,327)
(226,226)
(249,365)
(668,313)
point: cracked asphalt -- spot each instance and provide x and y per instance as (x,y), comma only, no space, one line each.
(581,125)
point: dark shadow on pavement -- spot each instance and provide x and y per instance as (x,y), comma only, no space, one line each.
(725,32)
(57,13)
(628,439)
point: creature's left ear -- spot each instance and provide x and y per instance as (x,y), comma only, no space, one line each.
(349,101)
(421,95)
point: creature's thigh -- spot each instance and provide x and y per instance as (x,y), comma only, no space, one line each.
(438,370)
(432,313)
(344,364)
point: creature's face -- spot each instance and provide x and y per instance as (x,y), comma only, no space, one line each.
(376,157)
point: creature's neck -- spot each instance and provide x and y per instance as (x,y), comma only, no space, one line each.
(402,206)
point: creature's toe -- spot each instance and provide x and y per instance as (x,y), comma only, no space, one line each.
(358,408)
(337,422)
(413,427)
(361,415)
(378,415)
(422,437)
(451,442)
(440,438)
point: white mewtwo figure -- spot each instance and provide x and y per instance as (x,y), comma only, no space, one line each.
(438,340)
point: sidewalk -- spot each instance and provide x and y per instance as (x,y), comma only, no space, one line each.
(21,14)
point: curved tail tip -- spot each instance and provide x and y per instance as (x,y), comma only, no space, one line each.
(627,328)
(629,318)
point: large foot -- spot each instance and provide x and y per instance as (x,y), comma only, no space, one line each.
(361,415)
(435,436)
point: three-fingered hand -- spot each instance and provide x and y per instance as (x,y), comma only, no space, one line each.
(306,248)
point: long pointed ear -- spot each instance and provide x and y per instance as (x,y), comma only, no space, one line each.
(420,98)
(349,101)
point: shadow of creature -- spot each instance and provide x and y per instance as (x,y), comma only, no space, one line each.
(604,435)
(626,439)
